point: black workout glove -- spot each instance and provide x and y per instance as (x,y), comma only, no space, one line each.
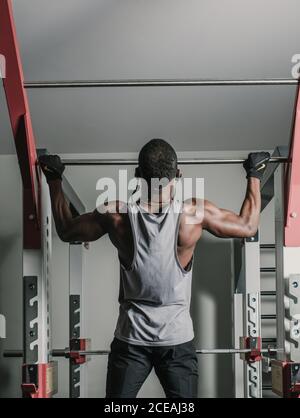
(52,167)
(256,164)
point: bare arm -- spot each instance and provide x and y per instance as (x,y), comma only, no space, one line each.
(226,224)
(84,228)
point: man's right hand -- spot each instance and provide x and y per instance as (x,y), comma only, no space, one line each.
(52,167)
(256,164)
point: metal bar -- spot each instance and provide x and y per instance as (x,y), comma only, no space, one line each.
(282,264)
(247,321)
(94,352)
(31,337)
(238,330)
(159,83)
(13,353)
(269,340)
(75,317)
(268,293)
(267,246)
(2,326)
(66,352)
(234,351)
(292,181)
(194,161)
(291,299)
(36,285)
(268,316)
(60,352)
(20,119)
(268,270)
(267,183)
(200,351)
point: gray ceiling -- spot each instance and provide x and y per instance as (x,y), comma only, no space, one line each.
(107,39)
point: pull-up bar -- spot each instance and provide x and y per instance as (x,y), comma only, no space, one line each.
(192,161)
(160,83)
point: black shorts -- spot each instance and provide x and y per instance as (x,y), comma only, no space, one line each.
(129,365)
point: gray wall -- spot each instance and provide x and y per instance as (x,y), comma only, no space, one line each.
(212,287)
(105,39)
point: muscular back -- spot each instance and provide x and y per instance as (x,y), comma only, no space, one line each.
(119,230)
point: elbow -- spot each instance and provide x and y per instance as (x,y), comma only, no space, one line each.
(250,230)
(65,239)
(64,236)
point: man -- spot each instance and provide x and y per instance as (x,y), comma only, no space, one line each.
(155,240)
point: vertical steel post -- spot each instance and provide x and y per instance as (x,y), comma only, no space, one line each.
(287,228)
(35,290)
(2,327)
(238,325)
(36,271)
(292,185)
(39,377)
(247,307)
(287,282)
(77,371)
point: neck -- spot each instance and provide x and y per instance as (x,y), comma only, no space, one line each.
(154,206)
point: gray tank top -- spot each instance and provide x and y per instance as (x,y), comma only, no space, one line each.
(155,292)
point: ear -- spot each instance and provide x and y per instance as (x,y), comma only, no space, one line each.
(178,174)
(137,173)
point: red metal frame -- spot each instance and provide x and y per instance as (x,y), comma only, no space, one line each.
(79,344)
(292,186)
(43,383)
(253,344)
(282,382)
(18,108)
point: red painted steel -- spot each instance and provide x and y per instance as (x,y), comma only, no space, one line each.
(292,210)
(285,378)
(43,381)
(79,344)
(18,108)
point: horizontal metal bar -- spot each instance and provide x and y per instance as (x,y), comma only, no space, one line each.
(268,270)
(194,161)
(20,353)
(159,83)
(269,340)
(201,351)
(268,293)
(60,352)
(66,352)
(267,246)
(235,351)
(13,353)
(267,387)
(268,316)
(94,353)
